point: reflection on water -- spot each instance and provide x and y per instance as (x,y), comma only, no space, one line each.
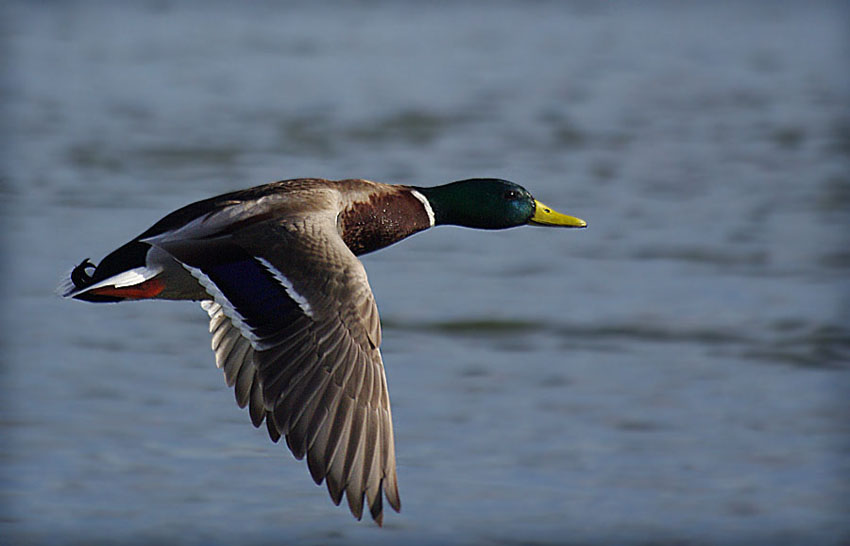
(675,373)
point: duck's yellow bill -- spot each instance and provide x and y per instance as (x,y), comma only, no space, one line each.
(546,216)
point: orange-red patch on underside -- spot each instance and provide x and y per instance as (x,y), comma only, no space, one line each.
(151,288)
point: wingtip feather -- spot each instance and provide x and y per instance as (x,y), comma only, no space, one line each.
(376,508)
(355,502)
(391,491)
(335,489)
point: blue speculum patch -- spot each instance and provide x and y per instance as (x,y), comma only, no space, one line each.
(255,294)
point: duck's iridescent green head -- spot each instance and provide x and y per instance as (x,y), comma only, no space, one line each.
(491,203)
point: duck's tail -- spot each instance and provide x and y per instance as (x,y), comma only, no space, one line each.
(122,275)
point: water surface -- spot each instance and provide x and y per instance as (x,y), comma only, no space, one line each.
(678,372)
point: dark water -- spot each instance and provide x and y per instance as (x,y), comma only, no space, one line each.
(678,372)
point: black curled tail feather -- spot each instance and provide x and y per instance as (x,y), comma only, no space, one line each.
(80,277)
(87,273)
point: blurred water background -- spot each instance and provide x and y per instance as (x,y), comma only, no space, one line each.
(676,373)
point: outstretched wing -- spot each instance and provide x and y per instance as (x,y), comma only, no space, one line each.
(296,331)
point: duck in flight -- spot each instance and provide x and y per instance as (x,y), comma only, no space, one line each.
(294,325)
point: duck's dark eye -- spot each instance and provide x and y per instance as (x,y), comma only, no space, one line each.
(510,195)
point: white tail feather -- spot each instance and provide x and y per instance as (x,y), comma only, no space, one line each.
(131,277)
(66,286)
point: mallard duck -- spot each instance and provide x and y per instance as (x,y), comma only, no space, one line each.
(294,325)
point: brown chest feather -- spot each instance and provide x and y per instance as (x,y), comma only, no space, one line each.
(383,220)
